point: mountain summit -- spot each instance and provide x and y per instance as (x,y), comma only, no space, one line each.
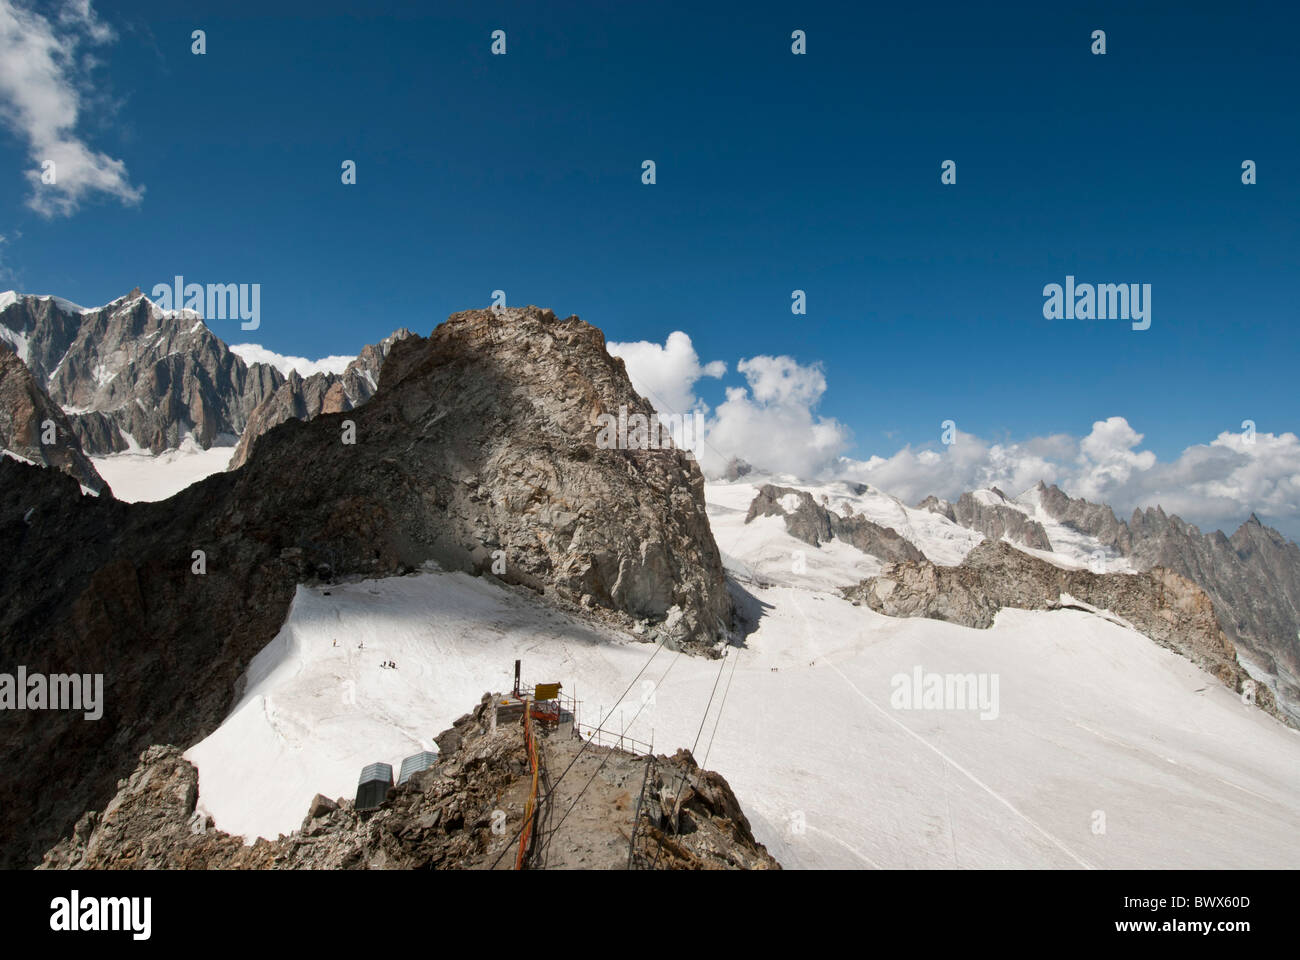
(131,374)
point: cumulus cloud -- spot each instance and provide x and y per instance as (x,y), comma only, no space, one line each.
(666,375)
(769,422)
(782,382)
(969,463)
(43,82)
(773,423)
(1214,485)
(1108,457)
(256,353)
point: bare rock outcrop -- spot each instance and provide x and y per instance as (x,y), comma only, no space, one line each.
(693,821)
(814,524)
(501,411)
(305,398)
(1165,606)
(995,520)
(26,416)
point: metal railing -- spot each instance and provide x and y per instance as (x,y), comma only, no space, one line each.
(636,815)
(570,710)
(615,739)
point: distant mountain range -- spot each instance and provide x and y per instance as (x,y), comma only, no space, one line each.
(1252,577)
(131,375)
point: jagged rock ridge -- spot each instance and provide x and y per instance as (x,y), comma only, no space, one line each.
(129,368)
(814,524)
(994,520)
(25,412)
(1167,607)
(1252,577)
(303,399)
(131,373)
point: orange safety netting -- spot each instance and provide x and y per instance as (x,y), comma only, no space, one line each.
(532,794)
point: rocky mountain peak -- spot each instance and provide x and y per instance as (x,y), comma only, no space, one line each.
(1252,577)
(529,390)
(994,520)
(130,372)
(814,524)
(32,426)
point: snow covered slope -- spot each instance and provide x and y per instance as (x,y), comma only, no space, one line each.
(1070,548)
(762,551)
(763,543)
(941,540)
(139,475)
(1093,721)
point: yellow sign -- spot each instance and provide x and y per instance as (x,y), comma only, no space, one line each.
(546,691)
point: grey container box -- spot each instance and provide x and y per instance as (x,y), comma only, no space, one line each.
(377,771)
(415,763)
(373,785)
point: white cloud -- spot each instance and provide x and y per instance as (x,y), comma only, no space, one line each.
(1217,484)
(912,474)
(256,353)
(42,83)
(772,424)
(666,375)
(1214,485)
(782,382)
(769,423)
(1107,460)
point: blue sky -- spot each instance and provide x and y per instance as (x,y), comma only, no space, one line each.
(819,172)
